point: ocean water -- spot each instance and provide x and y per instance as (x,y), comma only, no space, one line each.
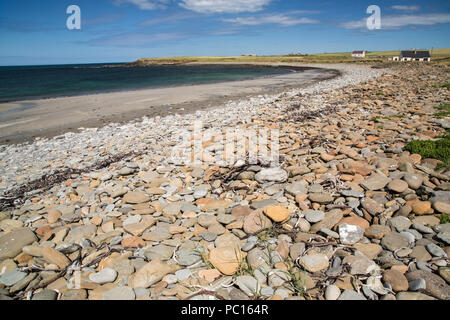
(36,82)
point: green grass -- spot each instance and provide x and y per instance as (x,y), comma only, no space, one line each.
(437,149)
(446,85)
(336,57)
(445,218)
(445,111)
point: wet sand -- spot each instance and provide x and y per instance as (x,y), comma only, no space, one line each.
(22,121)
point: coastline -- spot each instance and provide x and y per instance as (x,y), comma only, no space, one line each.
(68,114)
(108,138)
(338,205)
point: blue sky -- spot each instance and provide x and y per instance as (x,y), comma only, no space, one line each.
(35,32)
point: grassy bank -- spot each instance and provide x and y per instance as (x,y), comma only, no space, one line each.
(438,56)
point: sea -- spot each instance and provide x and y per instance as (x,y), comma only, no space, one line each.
(49,81)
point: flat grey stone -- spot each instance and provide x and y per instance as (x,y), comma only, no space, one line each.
(351,295)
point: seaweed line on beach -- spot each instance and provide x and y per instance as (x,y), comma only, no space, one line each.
(18,196)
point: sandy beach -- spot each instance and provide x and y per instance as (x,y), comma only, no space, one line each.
(24,120)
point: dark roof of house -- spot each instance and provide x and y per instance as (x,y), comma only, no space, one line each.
(358,52)
(415,54)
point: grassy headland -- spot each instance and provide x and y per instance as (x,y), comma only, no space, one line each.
(438,56)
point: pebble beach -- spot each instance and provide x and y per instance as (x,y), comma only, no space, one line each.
(347,214)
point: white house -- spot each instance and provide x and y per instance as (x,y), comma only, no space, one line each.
(359,54)
(413,55)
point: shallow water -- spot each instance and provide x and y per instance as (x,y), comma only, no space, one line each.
(36,82)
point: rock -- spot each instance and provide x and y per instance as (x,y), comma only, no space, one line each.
(53,215)
(183,274)
(435,285)
(377,231)
(314,216)
(399,223)
(106,275)
(209,236)
(267,291)
(356,221)
(188,257)
(331,219)
(441,201)
(277,213)
(435,250)
(360,264)
(421,228)
(255,222)
(351,295)
(10,225)
(414,181)
(352,193)
(45,294)
(413,296)
(11,243)
(332,292)
(371,250)
(296,250)
(209,275)
(445,274)
(248,285)
(418,284)
(271,174)
(420,253)
(296,188)
(422,207)
(226,259)
(321,197)
(151,273)
(427,220)
(373,207)
(444,237)
(257,258)
(278,278)
(350,234)
(375,182)
(393,241)
(53,256)
(314,262)
(135,197)
(230,240)
(12,277)
(398,186)
(396,279)
(241,211)
(263,203)
(80,232)
(119,293)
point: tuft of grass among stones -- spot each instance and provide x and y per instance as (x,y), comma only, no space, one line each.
(445,111)
(447,85)
(444,218)
(437,149)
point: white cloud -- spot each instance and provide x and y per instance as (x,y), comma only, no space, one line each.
(145,4)
(398,21)
(224,6)
(406,8)
(279,19)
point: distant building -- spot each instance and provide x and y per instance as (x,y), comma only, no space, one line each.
(359,54)
(413,55)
